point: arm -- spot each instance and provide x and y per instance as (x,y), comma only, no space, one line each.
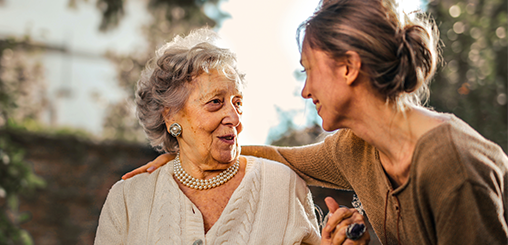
(324,164)
(320,164)
(112,225)
(313,163)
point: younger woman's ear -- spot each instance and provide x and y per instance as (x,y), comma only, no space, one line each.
(353,66)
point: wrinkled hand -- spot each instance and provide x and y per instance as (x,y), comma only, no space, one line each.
(339,219)
(151,166)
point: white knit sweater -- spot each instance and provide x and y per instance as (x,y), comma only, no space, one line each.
(272,205)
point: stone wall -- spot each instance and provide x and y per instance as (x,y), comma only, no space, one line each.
(78,174)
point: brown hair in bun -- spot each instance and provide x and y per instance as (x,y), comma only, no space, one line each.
(398,53)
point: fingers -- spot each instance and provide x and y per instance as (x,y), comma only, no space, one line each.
(329,233)
(364,239)
(338,216)
(331,204)
(335,229)
(151,166)
(339,237)
(136,171)
(356,218)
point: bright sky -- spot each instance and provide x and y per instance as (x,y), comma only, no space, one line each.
(261,32)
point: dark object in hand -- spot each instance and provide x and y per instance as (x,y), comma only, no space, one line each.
(355,231)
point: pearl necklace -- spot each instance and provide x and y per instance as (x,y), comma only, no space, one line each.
(200,184)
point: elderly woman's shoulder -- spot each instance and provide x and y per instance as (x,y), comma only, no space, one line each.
(270,169)
(278,176)
(137,185)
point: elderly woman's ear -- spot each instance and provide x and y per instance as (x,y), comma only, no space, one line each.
(167,117)
(173,127)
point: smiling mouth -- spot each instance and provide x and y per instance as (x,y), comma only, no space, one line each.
(228,138)
(318,106)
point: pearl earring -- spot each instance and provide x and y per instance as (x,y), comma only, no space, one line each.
(175,129)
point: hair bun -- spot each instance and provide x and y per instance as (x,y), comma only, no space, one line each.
(398,52)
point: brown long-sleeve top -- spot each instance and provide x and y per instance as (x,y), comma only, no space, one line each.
(457,191)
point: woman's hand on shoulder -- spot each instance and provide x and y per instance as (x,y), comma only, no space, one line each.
(150,166)
(336,228)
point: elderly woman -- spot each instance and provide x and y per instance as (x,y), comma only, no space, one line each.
(423,177)
(190,103)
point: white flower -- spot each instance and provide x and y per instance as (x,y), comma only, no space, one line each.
(2,192)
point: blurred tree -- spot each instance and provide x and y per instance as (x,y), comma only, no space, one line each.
(170,17)
(21,96)
(183,13)
(284,134)
(472,83)
(22,88)
(294,137)
(16,178)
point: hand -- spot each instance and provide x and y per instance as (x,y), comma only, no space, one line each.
(339,219)
(151,166)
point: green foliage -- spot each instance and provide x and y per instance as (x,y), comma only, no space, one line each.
(19,81)
(35,126)
(16,178)
(472,83)
(175,11)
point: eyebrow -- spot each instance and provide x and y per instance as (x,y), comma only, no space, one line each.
(212,94)
(217,92)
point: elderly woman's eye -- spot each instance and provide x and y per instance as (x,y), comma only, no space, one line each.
(238,104)
(214,104)
(216,101)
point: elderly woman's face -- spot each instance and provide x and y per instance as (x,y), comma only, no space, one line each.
(211,119)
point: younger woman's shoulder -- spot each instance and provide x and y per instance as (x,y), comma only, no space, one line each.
(456,134)
(454,148)
(466,139)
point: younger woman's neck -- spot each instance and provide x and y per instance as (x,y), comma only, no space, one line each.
(394,133)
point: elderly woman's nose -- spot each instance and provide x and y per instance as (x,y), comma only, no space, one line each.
(232,115)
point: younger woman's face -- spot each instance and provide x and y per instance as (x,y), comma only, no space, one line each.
(326,86)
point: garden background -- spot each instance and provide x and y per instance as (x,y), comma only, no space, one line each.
(68,70)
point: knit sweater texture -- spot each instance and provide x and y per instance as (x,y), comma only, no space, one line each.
(457,191)
(272,205)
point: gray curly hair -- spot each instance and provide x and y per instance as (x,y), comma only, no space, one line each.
(163,87)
